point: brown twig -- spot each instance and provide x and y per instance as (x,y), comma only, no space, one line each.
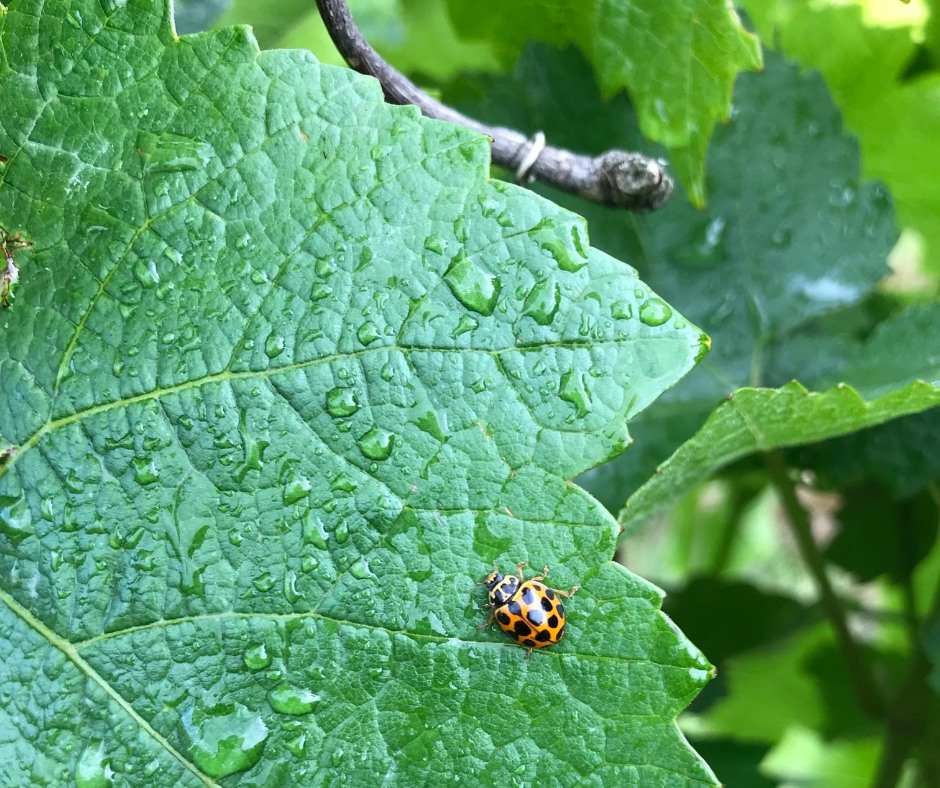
(617,178)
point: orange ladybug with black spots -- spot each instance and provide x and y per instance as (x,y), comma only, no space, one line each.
(528,611)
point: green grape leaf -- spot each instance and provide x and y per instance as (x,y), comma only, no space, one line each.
(678,61)
(754,420)
(897,119)
(285,374)
(791,237)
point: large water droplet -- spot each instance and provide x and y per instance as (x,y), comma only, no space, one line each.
(341,402)
(542,302)
(224,739)
(655,312)
(572,389)
(297,488)
(274,345)
(16,523)
(465,324)
(368,332)
(145,471)
(297,744)
(430,424)
(314,533)
(377,444)
(288,699)
(291,594)
(566,261)
(93,769)
(256,657)
(473,287)
(434,243)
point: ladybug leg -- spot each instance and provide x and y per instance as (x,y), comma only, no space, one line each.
(567,594)
(528,653)
(519,570)
(543,575)
(489,621)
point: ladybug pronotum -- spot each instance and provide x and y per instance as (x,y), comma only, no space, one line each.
(527,610)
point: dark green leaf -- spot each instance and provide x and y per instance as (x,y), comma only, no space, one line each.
(679,62)
(276,394)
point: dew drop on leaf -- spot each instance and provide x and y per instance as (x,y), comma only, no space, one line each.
(274,345)
(572,389)
(377,444)
(224,739)
(473,287)
(93,769)
(256,657)
(562,256)
(296,489)
(145,471)
(341,402)
(314,533)
(542,302)
(264,582)
(655,312)
(465,324)
(15,520)
(288,699)
(297,744)
(291,594)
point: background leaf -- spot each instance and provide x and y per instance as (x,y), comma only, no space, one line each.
(285,374)
(678,62)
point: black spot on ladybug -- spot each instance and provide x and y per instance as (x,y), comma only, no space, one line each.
(502,618)
(544,636)
(549,593)
(561,609)
(512,634)
(535,616)
(528,642)
(553,621)
(528,596)
(522,628)
(546,604)
(515,608)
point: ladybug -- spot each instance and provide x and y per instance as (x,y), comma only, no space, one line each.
(526,610)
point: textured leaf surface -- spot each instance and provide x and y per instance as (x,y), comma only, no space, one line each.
(896,118)
(791,237)
(285,374)
(678,60)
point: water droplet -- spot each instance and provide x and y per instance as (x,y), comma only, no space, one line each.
(563,257)
(274,345)
(15,520)
(473,287)
(342,402)
(430,424)
(291,594)
(387,372)
(655,312)
(146,272)
(542,302)
(342,532)
(145,471)
(621,310)
(256,657)
(465,324)
(73,482)
(296,489)
(377,444)
(360,570)
(297,744)
(264,582)
(314,532)
(93,769)
(368,332)
(781,237)
(288,699)
(572,389)
(434,243)
(342,483)
(224,739)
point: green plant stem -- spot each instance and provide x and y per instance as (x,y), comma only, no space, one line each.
(905,722)
(863,684)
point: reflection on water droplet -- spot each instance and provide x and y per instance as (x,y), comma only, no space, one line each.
(360,570)
(274,345)
(368,332)
(542,302)
(93,769)
(297,488)
(287,699)
(655,312)
(297,744)
(15,520)
(562,255)
(621,310)
(377,444)
(256,657)
(473,287)
(314,532)
(146,272)
(291,594)
(145,471)
(342,532)
(224,739)
(341,402)
(572,389)
(434,243)
(264,582)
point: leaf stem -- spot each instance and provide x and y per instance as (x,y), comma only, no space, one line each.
(618,178)
(860,677)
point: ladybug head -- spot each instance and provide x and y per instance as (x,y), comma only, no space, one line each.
(492,579)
